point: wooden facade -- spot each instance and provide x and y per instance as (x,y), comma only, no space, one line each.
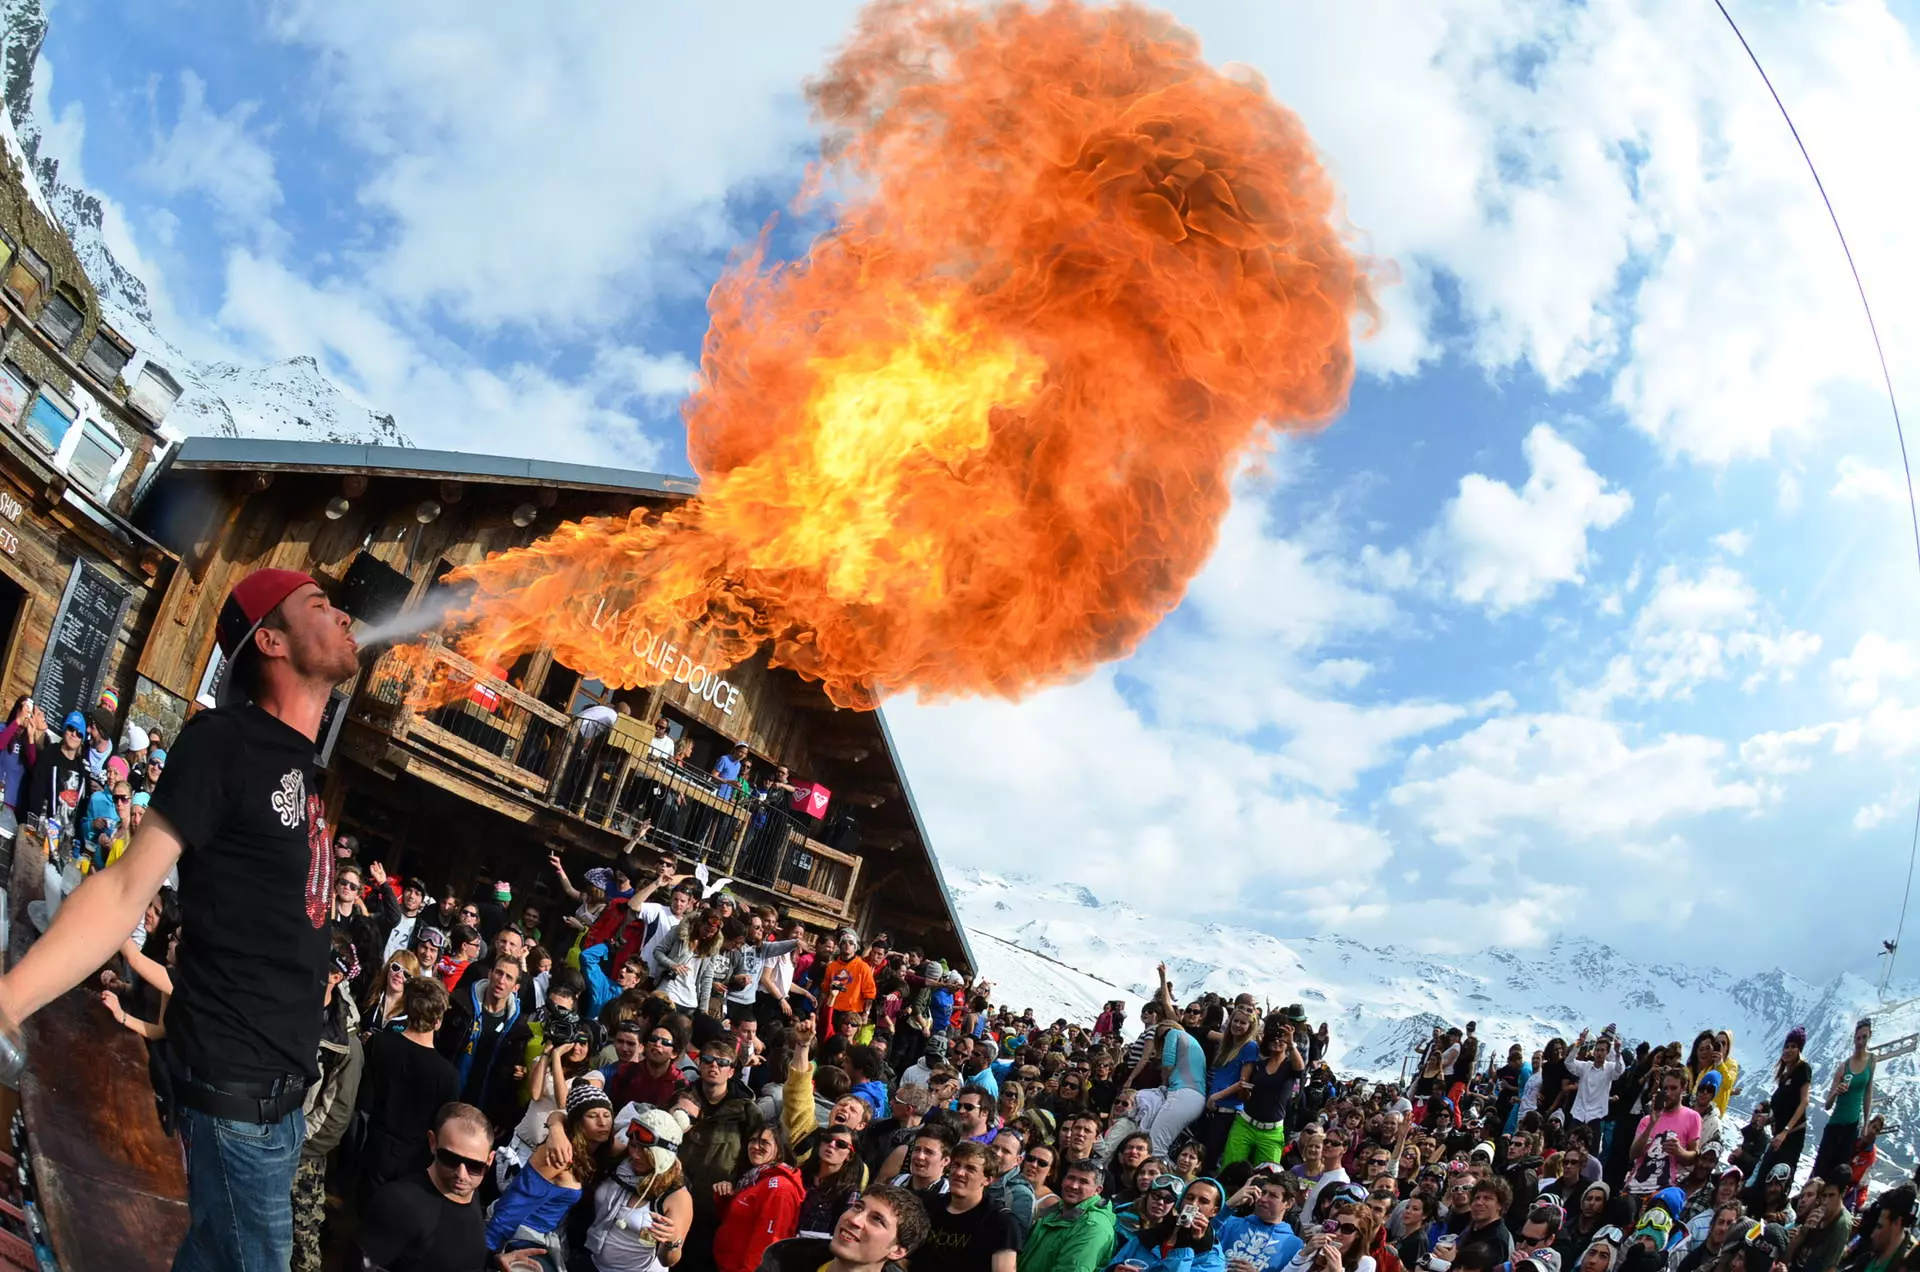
(486,786)
(80,429)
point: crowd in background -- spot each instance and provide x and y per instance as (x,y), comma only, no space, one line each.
(662,1075)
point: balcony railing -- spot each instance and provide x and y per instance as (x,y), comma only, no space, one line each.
(607,777)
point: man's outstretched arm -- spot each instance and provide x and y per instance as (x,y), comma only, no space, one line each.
(93,921)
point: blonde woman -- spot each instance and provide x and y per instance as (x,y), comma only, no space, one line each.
(380,1008)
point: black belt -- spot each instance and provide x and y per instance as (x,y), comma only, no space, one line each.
(258,1103)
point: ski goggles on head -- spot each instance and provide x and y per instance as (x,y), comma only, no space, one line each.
(1351,1192)
(1609,1234)
(639,1132)
(1168,1184)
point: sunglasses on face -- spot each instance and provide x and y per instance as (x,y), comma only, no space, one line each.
(396,967)
(724,1062)
(1346,1228)
(842,1145)
(450,1160)
(969,1108)
(662,1041)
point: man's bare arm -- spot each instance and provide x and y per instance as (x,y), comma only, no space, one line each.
(93,922)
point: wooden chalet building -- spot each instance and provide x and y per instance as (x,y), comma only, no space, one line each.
(484,787)
(80,430)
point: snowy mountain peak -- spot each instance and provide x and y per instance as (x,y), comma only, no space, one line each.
(291,400)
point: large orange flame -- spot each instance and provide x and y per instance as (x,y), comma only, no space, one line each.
(981,438)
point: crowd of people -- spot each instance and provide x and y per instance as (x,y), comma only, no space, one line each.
(664,1078)
(656,1074)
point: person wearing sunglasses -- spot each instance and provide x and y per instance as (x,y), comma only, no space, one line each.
(1342,1245)
(433,1219)
(381,1008)
(715,1149)
(834,1175)
(1148,1211)
(1184,1241)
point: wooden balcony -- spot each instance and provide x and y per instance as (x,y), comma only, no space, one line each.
(516,744)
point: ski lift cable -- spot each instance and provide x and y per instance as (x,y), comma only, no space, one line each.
(1893,402)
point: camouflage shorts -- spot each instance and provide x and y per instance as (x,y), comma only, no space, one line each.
(309,1212)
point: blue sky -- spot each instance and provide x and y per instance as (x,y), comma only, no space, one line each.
(1593,614)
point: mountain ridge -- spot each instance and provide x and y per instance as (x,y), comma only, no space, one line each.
(291,399)
(1381,1001)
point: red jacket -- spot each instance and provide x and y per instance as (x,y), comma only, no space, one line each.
(754,1218)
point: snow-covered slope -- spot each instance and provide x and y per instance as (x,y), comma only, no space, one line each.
(1063,951)
(293,400)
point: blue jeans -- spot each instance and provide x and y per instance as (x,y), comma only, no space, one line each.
(239,1193)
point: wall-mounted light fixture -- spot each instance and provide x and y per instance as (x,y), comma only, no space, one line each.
(524,515)
(337,507)
(427,513)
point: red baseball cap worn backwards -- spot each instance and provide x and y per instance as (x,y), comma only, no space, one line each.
(252,599)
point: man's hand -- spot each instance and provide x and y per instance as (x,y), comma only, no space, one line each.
(377,873)
(803,1031)
(723,1189)
(519,1072)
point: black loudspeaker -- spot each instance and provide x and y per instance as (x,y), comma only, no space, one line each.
(372,590)
(843,832)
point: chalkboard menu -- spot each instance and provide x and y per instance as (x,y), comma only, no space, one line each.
(84,629)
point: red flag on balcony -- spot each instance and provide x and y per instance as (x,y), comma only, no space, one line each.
(811,799)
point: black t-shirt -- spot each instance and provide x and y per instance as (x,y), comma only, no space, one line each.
(408,1226)
(57,783)
(256,874)
(965,1242)
(1272,1092)
(404,1085)
(1786,1096)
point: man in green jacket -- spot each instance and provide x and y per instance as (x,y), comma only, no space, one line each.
(1077,1234)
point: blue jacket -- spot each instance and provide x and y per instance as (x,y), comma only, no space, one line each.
(532,1201)
(1181,1260)
(1245,1237)
(600,990)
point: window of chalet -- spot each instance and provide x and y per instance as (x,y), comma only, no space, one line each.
(28,277)
(107,355)
(63,317)
(6,253)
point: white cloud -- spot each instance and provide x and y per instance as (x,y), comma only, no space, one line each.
(1692,629)
(1876,662)
(1112,797)
(1733,542)
(1873,816)
(1505,548)
(1855,479)
(442,395)
(1784,753)
(1564,775)
(562,174)
(216,155)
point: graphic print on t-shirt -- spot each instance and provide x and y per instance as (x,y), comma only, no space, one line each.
(69,793)
(319,851)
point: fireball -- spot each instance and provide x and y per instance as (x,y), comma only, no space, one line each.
(981,437)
